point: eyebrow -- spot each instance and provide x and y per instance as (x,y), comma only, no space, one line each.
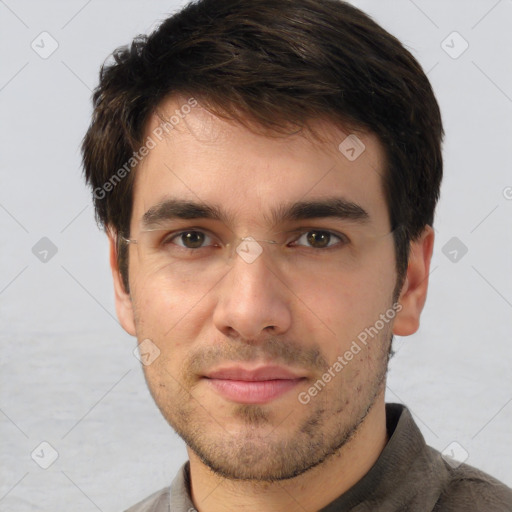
(170,209)
(321,208)
(336,207)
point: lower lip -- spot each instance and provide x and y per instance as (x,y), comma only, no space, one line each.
(253,392)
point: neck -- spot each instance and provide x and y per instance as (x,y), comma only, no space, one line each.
(312,490)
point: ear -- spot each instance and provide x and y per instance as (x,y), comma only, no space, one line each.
(124,306)
(414,290)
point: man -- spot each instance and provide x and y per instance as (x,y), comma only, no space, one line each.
(267,172)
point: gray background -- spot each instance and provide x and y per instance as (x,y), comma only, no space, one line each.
(68,374)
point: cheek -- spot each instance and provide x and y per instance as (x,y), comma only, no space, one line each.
(164,304)
(342,302)
(174,314)
(339,309)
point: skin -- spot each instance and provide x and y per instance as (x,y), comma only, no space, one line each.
(281,454)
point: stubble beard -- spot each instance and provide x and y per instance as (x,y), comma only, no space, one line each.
(257,452)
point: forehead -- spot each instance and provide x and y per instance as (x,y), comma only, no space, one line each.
(200,157)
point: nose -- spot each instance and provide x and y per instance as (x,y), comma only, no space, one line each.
(253,301)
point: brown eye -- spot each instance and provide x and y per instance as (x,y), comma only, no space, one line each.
(189,243)
(192,239)
(319,239)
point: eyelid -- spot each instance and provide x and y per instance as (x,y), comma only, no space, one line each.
(169,237)
(344,239)
(291,235)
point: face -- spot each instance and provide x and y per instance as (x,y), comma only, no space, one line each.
(262,368)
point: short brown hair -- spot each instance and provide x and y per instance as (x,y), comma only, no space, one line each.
(276,63)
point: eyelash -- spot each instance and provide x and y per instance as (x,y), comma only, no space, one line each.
(343,239)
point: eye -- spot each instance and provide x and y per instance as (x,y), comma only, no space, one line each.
(321,239)
(189,239)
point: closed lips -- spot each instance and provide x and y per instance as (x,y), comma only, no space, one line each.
(257,386)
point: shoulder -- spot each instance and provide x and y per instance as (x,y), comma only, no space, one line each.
(157,502)
(470,490)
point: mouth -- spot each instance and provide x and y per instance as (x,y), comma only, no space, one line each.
(256,386)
